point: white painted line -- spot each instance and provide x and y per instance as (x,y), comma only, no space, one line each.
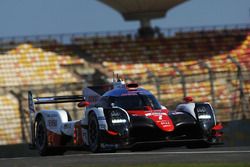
(172,152)
(16,158)
(135,153)
(44,157)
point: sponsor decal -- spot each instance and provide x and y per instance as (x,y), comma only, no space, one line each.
(44,99)
(115,114)
(134,93)
(177,113)
(158,113)
(165,122)
(201,109)
(51,115)
(52,123)
(101,118)
(102,126)
(53,139)
(92,99)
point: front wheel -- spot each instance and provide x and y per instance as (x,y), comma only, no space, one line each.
(93,133)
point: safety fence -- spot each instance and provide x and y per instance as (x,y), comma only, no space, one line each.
(14,113)
(67,38)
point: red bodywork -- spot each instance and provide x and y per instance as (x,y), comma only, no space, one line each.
(54,139)
(160,117)
(217,130)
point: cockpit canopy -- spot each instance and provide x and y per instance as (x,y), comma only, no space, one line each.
(129,100)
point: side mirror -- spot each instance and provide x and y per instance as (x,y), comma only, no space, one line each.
(83,104)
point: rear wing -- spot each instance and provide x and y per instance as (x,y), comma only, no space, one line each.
(53,99)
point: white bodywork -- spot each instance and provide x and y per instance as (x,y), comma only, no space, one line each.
(100,117)
(187,107)
(57,121)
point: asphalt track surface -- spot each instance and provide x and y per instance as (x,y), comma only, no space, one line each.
(166,155)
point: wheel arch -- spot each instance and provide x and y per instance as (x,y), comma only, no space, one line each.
(99,113)
(38,116)
(53,119)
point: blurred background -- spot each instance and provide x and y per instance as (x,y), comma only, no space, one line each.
(174,48)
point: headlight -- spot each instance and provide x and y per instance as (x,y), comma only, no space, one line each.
(118,121)
(204,116)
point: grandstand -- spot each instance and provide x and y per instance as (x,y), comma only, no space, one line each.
(206,59)
(210,64)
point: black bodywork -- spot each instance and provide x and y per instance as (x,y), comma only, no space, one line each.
(141,128)
(187,128)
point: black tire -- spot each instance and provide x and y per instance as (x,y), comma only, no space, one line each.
(93,133)
(41,140)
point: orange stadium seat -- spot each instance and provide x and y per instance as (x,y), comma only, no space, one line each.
(27,65)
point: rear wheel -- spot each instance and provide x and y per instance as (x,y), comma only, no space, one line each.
(41,137)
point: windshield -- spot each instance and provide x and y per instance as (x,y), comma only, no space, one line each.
(136,102)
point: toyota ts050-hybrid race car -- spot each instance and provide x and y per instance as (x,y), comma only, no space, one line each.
(118,116)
